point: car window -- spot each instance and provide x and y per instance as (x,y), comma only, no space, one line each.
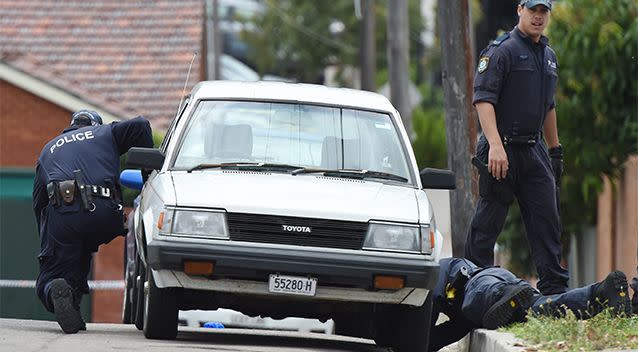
(171,128)
(295,134)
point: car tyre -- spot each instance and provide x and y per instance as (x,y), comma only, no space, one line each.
(355,325)
(413,327)
(385,326)
(138,294)
(128,306)
(160,310)
(127,310)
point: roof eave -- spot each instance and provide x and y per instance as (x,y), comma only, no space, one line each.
(53,93)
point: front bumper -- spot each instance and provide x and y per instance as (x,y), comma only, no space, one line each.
(244,267)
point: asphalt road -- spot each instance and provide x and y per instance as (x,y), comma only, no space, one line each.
(34,335)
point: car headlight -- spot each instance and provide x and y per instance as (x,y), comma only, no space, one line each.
(196,223)
(399,237)
(392,237)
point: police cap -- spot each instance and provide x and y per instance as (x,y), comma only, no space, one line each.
(86,118)
(531,3)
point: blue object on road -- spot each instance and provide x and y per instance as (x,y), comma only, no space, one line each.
(214,325)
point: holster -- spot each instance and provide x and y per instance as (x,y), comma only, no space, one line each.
(66,189)
(457,283)
(52,193)
(85,193)
(491,188)
(455,287)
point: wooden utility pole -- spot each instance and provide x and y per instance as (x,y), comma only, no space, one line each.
(367,50)
(457,65)
(398,50)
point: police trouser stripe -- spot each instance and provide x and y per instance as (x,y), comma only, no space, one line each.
(93,284)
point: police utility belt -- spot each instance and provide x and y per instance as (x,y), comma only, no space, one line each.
(65,192)
(528,140)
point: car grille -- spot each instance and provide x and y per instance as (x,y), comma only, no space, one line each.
(324,233)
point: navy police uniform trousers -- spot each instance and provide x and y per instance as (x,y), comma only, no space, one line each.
(67,247)
(531,180)
(466,307)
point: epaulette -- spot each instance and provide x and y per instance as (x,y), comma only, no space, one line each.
(501,38)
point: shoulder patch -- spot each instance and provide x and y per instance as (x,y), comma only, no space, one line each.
(501,38)
(483,62)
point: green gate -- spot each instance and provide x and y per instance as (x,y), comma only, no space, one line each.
(19,247)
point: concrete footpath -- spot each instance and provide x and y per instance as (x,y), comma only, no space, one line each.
(482,340)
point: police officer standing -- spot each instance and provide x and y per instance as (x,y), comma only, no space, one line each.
(514,91)
(77,204)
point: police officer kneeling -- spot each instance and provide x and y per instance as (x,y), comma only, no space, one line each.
(77,204)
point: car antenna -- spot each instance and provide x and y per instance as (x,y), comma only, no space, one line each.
(181,101)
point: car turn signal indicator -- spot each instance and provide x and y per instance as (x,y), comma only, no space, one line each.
(384,282)
(199,268)
(160,221)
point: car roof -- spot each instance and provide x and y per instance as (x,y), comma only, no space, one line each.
(295,92)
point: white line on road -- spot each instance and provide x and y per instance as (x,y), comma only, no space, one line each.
(93,284)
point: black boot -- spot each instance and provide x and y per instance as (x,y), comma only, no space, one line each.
(77,299)
(513,301)
(612,292)
(61,295)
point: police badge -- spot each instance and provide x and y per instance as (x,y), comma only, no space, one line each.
(482,66)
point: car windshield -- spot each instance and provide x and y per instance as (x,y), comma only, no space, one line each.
(302,135)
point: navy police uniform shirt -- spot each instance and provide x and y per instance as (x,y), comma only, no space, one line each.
(94,149)
(519,78)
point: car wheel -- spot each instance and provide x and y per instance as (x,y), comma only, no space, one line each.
(355,325)
(160,310)
(127,311)
(385,326)
(138,294)
(413,327)
(129,288)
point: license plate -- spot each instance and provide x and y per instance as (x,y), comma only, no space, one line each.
(295,285)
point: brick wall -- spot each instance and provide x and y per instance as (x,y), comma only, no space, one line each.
(27,122)
(108,264)
(617,230)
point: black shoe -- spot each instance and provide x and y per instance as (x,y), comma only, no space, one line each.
(67,316)
(77,299)
(613,292)
(514,301)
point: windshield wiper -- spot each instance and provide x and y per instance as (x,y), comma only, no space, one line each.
(296,170)
(353,173)
(221,166)
(278,167)
(249,166)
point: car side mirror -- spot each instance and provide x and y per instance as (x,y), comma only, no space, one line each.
(145,158)
(132,179)
(438,179)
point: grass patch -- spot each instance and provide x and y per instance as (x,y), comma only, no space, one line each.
(603,331)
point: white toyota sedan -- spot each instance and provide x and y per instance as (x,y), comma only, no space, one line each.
(281,199)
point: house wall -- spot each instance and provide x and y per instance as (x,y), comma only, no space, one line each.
(617,229)
(27,122)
